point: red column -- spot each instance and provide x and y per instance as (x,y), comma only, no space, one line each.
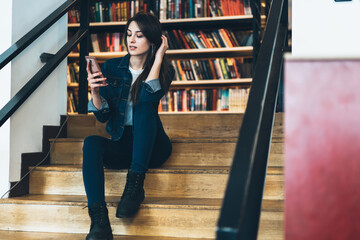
(322,149)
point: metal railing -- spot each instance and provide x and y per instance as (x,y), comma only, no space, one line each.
(52,62)
(240,212)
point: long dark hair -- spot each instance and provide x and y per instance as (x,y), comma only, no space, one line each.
(151,28)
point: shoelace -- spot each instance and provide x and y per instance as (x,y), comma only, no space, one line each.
(132,186)
(99,215)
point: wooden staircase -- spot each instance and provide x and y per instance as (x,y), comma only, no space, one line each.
(183,197)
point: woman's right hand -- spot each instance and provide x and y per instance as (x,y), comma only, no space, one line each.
(95,80)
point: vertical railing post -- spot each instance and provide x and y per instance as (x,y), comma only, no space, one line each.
(256,12)
(285,20)
(84,51)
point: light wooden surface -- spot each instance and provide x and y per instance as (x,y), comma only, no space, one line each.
(196,82)
(180,182)
(162,217)
(16,235)
(183,197)
(185,152)
(215,125)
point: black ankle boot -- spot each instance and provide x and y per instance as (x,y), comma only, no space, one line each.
(133,195)
(100,228)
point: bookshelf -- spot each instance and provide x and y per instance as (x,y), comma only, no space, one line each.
(180,53)
(216,85)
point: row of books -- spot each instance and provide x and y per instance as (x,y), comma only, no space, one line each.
(109,11)
(73,72)
(112,11)
(228,99)
(188,70)
(107,42)
(219,38)
(177,39)
(209,69)
(73,100)
(178,9)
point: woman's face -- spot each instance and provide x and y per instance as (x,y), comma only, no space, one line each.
(138,44)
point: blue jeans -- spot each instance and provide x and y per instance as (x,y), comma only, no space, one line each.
(142,146)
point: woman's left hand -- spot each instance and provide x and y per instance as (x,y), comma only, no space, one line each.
(162,49)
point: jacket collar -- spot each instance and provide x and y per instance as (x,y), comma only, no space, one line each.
(124,63)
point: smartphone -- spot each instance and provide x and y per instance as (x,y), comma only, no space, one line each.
(93,66)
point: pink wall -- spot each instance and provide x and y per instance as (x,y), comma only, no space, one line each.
(322,149)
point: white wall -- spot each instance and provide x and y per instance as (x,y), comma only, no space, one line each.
(5,78)
(48,102)
(325,28)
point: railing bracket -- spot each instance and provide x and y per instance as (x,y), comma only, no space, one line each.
(45,57)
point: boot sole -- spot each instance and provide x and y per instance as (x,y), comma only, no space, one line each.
(130,215)
(109,238)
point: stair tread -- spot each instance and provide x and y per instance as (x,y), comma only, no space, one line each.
(17,235)
(173,140)
(149,202)
(168,169)
(272,170)
(179,140)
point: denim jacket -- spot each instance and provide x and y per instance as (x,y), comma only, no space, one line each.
(114,96)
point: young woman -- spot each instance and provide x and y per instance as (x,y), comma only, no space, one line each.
(126,95)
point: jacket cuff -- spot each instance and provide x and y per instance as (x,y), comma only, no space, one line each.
(154,84)
(104,106)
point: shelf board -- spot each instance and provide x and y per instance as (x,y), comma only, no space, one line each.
(71,85)
(196,82)
(205,19)
(170,21)
(179,113)
(182,53)
(202,112)
(245,50)
(208,82)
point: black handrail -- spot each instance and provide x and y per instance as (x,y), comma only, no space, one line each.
(33,34)
(240,213)
(81,35)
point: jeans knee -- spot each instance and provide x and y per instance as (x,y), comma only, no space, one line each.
(91,143)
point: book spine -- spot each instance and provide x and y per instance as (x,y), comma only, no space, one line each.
(223,69)
(224,39)
(196,40)
(182,37)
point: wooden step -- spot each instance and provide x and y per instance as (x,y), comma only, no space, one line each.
(17,235)
(186,152)
(180,182)
(167,217)
(204,125)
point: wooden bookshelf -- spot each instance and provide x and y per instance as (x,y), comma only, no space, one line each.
(241,23)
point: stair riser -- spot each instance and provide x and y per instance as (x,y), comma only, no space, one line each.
(194,126)
(149,221)
(156,184)
(184,126)
(183,154)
